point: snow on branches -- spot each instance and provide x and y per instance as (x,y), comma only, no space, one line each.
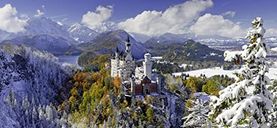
(246,103)
(198,114)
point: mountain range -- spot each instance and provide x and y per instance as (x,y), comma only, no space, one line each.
(32,79)
(60,39)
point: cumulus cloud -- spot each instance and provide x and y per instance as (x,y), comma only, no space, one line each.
(96,19)
(271,32)
(175,19)
(10,22)
(39,13)
(216,25)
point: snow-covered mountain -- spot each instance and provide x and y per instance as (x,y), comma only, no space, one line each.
(6,35)
(76,33)
(52,44)
(46,34)
(81,33)
(44,25)
(107,42)
(30,81)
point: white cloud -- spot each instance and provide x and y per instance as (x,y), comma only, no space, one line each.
(97,19)
(216,25)
(229,14)
(39,13)
(175,19)
(10,22)
(271,32)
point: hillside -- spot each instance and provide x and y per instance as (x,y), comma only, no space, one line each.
(186,51)
(30,84)
(54,45)
(107,42)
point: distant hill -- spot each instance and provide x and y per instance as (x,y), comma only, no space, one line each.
(173,50)
(185,51)
(107,42)
(169,38)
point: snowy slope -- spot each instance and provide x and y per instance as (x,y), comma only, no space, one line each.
(44,25)
(28,79)
(274,49)
(81,33)
(76,33)
(209,72)
(52,44)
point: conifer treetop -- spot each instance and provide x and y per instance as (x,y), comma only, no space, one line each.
(247,102)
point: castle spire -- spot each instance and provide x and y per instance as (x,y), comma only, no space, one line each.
(128,49)
(128,45)
(116,53)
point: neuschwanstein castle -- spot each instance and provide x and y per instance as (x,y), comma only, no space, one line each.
(136,75)
(139,81)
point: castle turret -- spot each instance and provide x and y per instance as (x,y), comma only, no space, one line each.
(115,64)
(132,86)
(147,65)
(116,53)
(128,67)
(128,50)
(128,45)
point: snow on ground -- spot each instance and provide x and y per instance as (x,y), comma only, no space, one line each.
(274,49)
(209,72)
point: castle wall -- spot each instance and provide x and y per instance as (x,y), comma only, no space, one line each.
(139,72)
(147,65)
(116,65)
(114,68)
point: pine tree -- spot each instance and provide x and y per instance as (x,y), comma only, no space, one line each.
(273,115)
(247,102)
(197,116)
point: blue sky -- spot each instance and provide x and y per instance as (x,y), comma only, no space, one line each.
(246,10)
(241,12)
(123,9)
(74,9)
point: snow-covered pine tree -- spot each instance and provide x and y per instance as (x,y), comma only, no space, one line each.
(247,102)
(198,115)
(273,116)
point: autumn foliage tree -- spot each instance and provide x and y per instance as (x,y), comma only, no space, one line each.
(117,84)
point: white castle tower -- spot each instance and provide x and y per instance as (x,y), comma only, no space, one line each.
(123,65)
(115,64)
(147,65)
